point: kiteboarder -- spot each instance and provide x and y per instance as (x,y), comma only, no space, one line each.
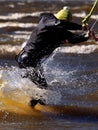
(51,31)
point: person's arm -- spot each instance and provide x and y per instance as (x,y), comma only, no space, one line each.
(77,38)
(72,26)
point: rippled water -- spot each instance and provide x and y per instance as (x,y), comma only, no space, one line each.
(71,73)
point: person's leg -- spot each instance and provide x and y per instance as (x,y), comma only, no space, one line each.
(36,75)
(34,71)
(22,59)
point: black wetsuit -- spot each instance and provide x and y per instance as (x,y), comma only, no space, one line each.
(47,36)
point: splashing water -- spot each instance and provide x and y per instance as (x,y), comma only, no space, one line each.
(15,87)
(71,73)
(74,72)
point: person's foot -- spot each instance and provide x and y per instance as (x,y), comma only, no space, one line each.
(34,102)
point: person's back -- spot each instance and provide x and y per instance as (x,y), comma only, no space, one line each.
(48,35)
(44,38)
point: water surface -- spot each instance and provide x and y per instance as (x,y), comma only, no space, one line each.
(71,72)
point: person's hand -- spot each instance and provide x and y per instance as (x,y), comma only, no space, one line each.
(85,27)
(94,36)
(91,34)
(88,33)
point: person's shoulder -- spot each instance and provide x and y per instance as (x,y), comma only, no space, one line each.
(49,19)
(46,15)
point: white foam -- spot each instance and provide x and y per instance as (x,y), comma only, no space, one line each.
(78,49)
(16,16)
(14,86)
(16,24)
(83,15)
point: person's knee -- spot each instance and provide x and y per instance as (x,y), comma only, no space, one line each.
(23,59)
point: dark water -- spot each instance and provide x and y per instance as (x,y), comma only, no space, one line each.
(72,72)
